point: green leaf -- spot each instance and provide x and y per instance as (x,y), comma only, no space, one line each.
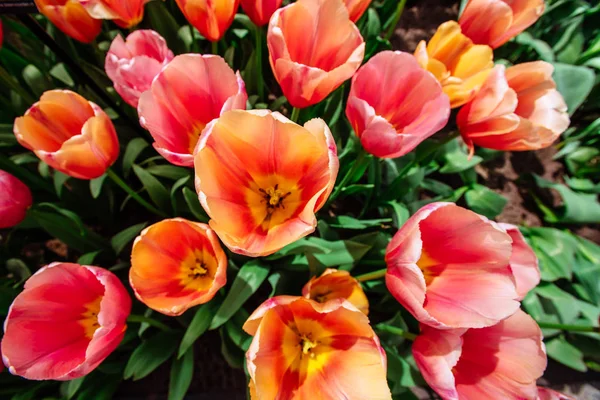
(485,201)
(121,239)
(59,71)
(150,354)
(169,171)
(564,352)
(456,159)
(88,258)
(346,222)
(96,186)
(191,199)
(400,213)
(539,46)
(36,79)
(132,151)
(71,387)
(59,181)
(555,250)
(182,372)
(156,190)
(574,83)
(576,208)
(248,280)
(340,252)
(199,325)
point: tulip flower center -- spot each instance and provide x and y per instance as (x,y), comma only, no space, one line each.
(425,264)
(89,318)
(274,197)
(307,345)
(198,270)
(321,297)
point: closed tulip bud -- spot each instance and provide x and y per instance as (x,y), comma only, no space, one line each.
(449,267)
(185,96)
(309,73)
(517,109)
(260,11)
(392,122)
(177,264)
(495,22)
(69,133)
(459,65)
(501,362)
(356,8)
(67,320)
(132,64)
(211,18)
(70,17)
(125,13)
(336,284)
(15,200)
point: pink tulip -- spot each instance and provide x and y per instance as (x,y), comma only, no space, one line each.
(313,48)
(15,200)
(392,122)
(449,267)
(501,362)
(260,11)
(133,64)
(523,262)
(67,320)
(185,96)
(549,394)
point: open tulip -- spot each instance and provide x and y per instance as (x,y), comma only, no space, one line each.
(356,8)
(15,200)
(336,284)
(125,13)
(302,349)
(261,178)
(132,64)
(177,264)
(187,94)
(70,17)
(211,18)
(518,108)
(67,320)
(549,394)
(309,73)
(523,262)
(449,267)
(494,22)
(412,107)
(260,11)
(69,133)
(459,65)
(501,362)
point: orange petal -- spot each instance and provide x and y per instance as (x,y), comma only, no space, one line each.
(334,284)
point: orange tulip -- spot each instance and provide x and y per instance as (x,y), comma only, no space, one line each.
(69,133)
(261,178)
(336,284)
(459,65)
(125,13)
(313,49)
(177,264)
(518,108)
(260,11)
(494,22)
(356,8)
(71,18)
(306,350)
(211,18)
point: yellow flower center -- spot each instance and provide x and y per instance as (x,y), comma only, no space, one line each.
(425,263)
(274,197)
(198,270)
(307,345)
(89,318)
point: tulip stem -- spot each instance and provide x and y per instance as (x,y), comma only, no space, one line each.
(295,114)
(396,331)
(358,163)
(258,49)
(397,16)
(214,48)
(116,179)
(140,319)
(193,43)
(570,328)
(371,276)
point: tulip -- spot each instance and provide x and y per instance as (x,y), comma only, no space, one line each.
(459,65)
(261,178)
(501,362)
(260,11)
(356,8)
(70,17)
(309,57)
(211,18)
(517,109)
(549,394)
(336,284)
(15,200)
(185,96)
(392,122)
(495,22)
(133,64)
(67,320)
(69,133)
(305,350)
(450,268)
(125,13)
(177,264)
(523,262)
